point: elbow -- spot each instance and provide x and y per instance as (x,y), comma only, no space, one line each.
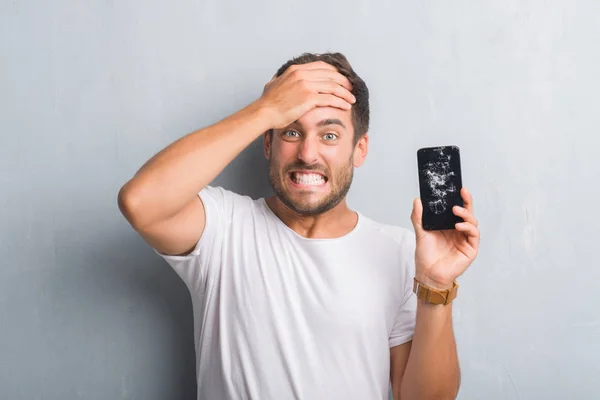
(129,204)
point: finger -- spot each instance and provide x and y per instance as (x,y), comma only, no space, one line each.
(465,215)
(330,100)
(471,231)
(315,75)
(304,68)
(467,199)
(333,88)
(417,215)
(327,75)
(312,65)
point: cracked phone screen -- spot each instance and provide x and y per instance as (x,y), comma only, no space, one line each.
(440,182)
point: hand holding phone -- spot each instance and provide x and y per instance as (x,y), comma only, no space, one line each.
(440,182)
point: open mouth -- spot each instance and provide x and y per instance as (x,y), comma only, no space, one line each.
(307,178)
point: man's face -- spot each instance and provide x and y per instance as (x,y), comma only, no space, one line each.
(311,161)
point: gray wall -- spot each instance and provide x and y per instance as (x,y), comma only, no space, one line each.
(90,90)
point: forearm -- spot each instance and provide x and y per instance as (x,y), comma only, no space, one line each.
(170,180)
(432,370)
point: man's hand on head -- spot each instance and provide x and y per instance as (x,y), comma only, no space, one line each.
(303,87)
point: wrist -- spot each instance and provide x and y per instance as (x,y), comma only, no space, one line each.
(430,294)
(255,118)
(265,113)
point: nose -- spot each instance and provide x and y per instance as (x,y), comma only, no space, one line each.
(308,150)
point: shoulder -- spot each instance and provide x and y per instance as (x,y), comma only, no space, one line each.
(219,192)
(225,198)
(223,206)
(399,236)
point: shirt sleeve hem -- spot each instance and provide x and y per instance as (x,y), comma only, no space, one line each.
(208,225)
(401,340)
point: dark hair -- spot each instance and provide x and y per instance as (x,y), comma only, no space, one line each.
(360,109)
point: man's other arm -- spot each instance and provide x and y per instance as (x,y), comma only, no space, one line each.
(427,367)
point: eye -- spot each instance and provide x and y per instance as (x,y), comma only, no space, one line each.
(291,133)
(330,136)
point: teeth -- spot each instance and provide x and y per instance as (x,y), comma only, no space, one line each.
(308,179)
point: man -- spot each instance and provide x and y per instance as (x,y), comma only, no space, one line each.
(296,296)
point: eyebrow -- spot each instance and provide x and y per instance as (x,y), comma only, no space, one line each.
(326,122)
(331,121)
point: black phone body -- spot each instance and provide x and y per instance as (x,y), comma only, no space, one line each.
(440,182)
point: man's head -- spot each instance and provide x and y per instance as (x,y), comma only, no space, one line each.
(311,161)
(360,109)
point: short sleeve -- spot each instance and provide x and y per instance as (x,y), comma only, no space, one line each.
(404,325)
(194,266)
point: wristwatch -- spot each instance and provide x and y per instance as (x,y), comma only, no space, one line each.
(435,296)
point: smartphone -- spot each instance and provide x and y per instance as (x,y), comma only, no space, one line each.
(440,182)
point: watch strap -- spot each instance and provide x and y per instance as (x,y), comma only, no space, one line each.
(435,296)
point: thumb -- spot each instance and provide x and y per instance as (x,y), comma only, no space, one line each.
(417,215)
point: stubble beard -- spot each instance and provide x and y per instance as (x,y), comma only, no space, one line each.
(339,183)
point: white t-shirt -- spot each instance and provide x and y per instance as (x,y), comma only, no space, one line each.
(280,317)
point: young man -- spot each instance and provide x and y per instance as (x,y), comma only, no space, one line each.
(296,296)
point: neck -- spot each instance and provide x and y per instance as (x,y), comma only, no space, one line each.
(334,223)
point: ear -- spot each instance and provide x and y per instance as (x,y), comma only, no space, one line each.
(360,150)
(267,138)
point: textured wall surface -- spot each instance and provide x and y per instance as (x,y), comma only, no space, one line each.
(90,90)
